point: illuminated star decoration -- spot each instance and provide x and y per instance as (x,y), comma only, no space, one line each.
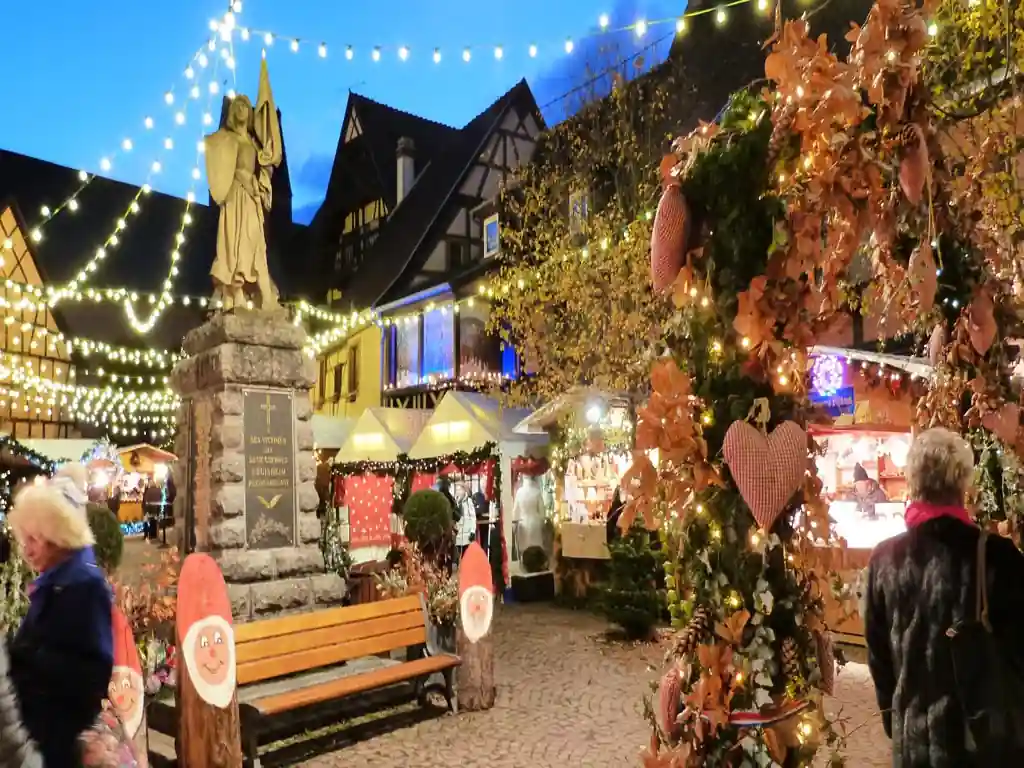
(827,374)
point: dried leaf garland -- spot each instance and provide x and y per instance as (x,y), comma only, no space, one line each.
(915,168)
(981,322)
(923,276)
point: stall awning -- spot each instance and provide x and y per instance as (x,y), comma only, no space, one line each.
(381,434)
(466,421)
(574,400)
(913,365)
(331,432)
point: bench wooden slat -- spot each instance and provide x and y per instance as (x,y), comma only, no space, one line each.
(308,640)
(346,686)
(278,666)
(302,622)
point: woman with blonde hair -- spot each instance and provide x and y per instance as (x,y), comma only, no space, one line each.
(62,654)
(921,592)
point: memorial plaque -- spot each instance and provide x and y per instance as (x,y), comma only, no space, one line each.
(269,428)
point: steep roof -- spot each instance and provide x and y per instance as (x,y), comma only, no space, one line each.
(364,167)
(407,238)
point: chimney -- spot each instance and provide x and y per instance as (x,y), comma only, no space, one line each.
(406,168)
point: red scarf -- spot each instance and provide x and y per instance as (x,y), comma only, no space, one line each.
(921,512)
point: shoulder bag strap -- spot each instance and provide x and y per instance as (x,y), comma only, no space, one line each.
(981,582)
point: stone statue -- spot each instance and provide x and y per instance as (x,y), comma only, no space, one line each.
(240,161)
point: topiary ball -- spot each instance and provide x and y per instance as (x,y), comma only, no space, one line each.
(428,519)
(106,529)
(535,559)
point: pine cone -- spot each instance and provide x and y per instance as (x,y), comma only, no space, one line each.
(790,659)
(780,132)
(687,640)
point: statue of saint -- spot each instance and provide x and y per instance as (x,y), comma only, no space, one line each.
(240,161)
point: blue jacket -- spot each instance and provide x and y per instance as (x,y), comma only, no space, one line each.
(62,656)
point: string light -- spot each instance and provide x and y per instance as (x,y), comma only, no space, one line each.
(72,203)
(166,297)
(403,53)
(113,238)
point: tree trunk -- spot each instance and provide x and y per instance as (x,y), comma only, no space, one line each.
(208,737)
(476,689)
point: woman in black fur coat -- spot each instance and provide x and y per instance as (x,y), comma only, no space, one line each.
(920,584)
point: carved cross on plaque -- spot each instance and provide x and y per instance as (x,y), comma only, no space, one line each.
(268,408)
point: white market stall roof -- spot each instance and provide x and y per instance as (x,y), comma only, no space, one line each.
(381,434)
(60,449)
(466,421)
(575,399)
(919,366)
(331,432)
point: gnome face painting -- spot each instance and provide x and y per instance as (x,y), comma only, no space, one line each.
(125,691)
(476,596)
(205,635)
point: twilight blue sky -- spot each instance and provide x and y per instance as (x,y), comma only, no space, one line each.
(84,75)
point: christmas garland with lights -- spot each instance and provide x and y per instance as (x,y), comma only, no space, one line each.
(403,468)
(10,475)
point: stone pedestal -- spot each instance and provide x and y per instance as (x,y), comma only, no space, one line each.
(246,470)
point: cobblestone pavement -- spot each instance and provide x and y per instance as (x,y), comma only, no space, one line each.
(567,699)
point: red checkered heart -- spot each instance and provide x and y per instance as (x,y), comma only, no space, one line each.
(668,237)
(767,470)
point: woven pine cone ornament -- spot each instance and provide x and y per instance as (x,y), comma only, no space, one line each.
(671,229)
(780,132)
(914,170)
(687,640)
(670,702)
(790,659)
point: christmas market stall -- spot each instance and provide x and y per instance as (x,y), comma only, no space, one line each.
(18,464)
(591,436)
(867,400)
(471,440)
(364,471)
(142,466)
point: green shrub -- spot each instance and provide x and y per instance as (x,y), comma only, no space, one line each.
(631,597)
(535,559)
(109,539)
(428,519)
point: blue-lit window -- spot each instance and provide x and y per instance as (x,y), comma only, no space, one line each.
(438,344)
(407,352)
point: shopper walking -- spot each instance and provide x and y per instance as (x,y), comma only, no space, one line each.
(62,654)
(922,593)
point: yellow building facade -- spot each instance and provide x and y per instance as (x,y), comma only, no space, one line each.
(348,379)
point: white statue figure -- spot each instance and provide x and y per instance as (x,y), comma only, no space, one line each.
(240,162)
(528,513)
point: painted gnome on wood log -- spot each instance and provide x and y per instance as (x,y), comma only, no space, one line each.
(209,735)
(126,692)
(476,610)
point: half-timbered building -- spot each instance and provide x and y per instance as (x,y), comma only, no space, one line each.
(408,229)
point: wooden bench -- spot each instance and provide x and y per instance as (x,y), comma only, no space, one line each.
(274,650)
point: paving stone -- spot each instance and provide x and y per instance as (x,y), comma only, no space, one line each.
(567,698)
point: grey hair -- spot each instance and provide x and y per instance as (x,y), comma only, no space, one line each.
(940,468)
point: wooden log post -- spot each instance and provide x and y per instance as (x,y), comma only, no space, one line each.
(476,690)
(209,732)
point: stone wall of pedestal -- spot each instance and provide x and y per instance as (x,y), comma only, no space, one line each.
(227,356)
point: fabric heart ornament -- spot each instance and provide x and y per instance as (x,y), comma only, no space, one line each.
(669,236)
(768,470)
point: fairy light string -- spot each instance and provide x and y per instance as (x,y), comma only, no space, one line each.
(494,51)
(73,202)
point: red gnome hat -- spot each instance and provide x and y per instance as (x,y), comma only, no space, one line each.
(125,652)
(201,593)
(474,570)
